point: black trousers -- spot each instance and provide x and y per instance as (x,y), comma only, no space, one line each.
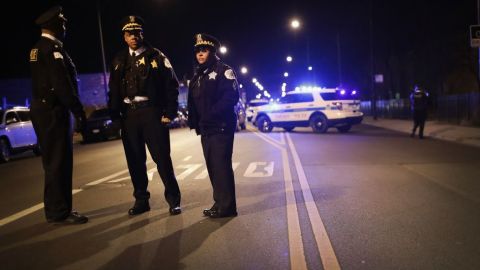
(142,126)
(53,129)
(419,118)
(218,150)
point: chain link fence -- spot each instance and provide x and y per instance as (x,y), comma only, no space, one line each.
(463,109)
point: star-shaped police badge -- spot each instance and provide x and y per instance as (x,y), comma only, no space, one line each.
(212,75)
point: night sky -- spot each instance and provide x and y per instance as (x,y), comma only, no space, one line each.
(257,34)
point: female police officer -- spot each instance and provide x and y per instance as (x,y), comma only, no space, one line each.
(212,96)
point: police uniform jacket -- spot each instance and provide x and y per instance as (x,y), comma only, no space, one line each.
(212,95)
(156,79)
(419,101)
(54,77)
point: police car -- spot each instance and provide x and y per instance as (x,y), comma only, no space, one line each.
(252,107)
(16,133)
(319,108)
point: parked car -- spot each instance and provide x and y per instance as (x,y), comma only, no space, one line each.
(241,115)
(253,105)
(16,133)
(100,126)
(319,108)
(178,122)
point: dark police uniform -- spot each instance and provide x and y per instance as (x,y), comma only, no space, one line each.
(213,93)
(419,104)
(54,95)
(143,89)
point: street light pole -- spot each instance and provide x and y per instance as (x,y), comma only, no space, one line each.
(105,83)
(478,22)
(339,60)
(372,64)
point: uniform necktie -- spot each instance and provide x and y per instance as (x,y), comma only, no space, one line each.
(132,59)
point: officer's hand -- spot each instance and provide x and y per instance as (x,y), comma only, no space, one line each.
(81,123)
(165,120)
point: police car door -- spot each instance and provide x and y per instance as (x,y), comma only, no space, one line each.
(281,112)
(28,134)
(299,110)
(13,129)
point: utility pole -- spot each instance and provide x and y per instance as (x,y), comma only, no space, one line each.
(339,59)
(105,83)
(478,22)
(372,64)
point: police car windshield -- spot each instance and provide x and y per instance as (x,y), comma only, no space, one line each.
(257,103)
(337,96)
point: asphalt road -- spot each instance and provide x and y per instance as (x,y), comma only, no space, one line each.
(368,199)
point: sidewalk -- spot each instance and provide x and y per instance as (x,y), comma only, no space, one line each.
(433,129)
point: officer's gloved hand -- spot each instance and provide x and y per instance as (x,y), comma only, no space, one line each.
(80,122)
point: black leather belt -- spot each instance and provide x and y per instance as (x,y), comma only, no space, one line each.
(137,105)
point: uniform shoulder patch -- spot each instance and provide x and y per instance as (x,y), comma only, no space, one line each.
(229,74)
(34,55)
(57,55)
(167,63)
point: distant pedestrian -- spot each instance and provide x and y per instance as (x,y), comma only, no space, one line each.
(144,97)
(212,96)
(419,106)
(54,96)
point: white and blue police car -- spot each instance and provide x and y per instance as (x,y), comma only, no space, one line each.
(16,133)
(319,108)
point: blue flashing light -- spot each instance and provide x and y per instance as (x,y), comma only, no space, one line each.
(342,92)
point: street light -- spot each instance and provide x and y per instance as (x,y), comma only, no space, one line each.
(285,74)
(243,70)
(295,23)
(289,58)
(310,68)
(254,80)
(223,50)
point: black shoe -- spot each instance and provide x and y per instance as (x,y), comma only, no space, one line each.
(139,207)
(71,219)
(175,210)
(206,212)
(215,213)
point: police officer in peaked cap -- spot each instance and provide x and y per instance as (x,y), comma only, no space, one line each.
(54,96)
(212,96)
(143,96)
(419,106)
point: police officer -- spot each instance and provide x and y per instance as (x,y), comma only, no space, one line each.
(54,96)
(213,93)
(144,97)
(419,105)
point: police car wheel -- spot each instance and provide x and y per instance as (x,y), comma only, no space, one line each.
(319,123)
(344,129)
(264,124)
(4,151)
